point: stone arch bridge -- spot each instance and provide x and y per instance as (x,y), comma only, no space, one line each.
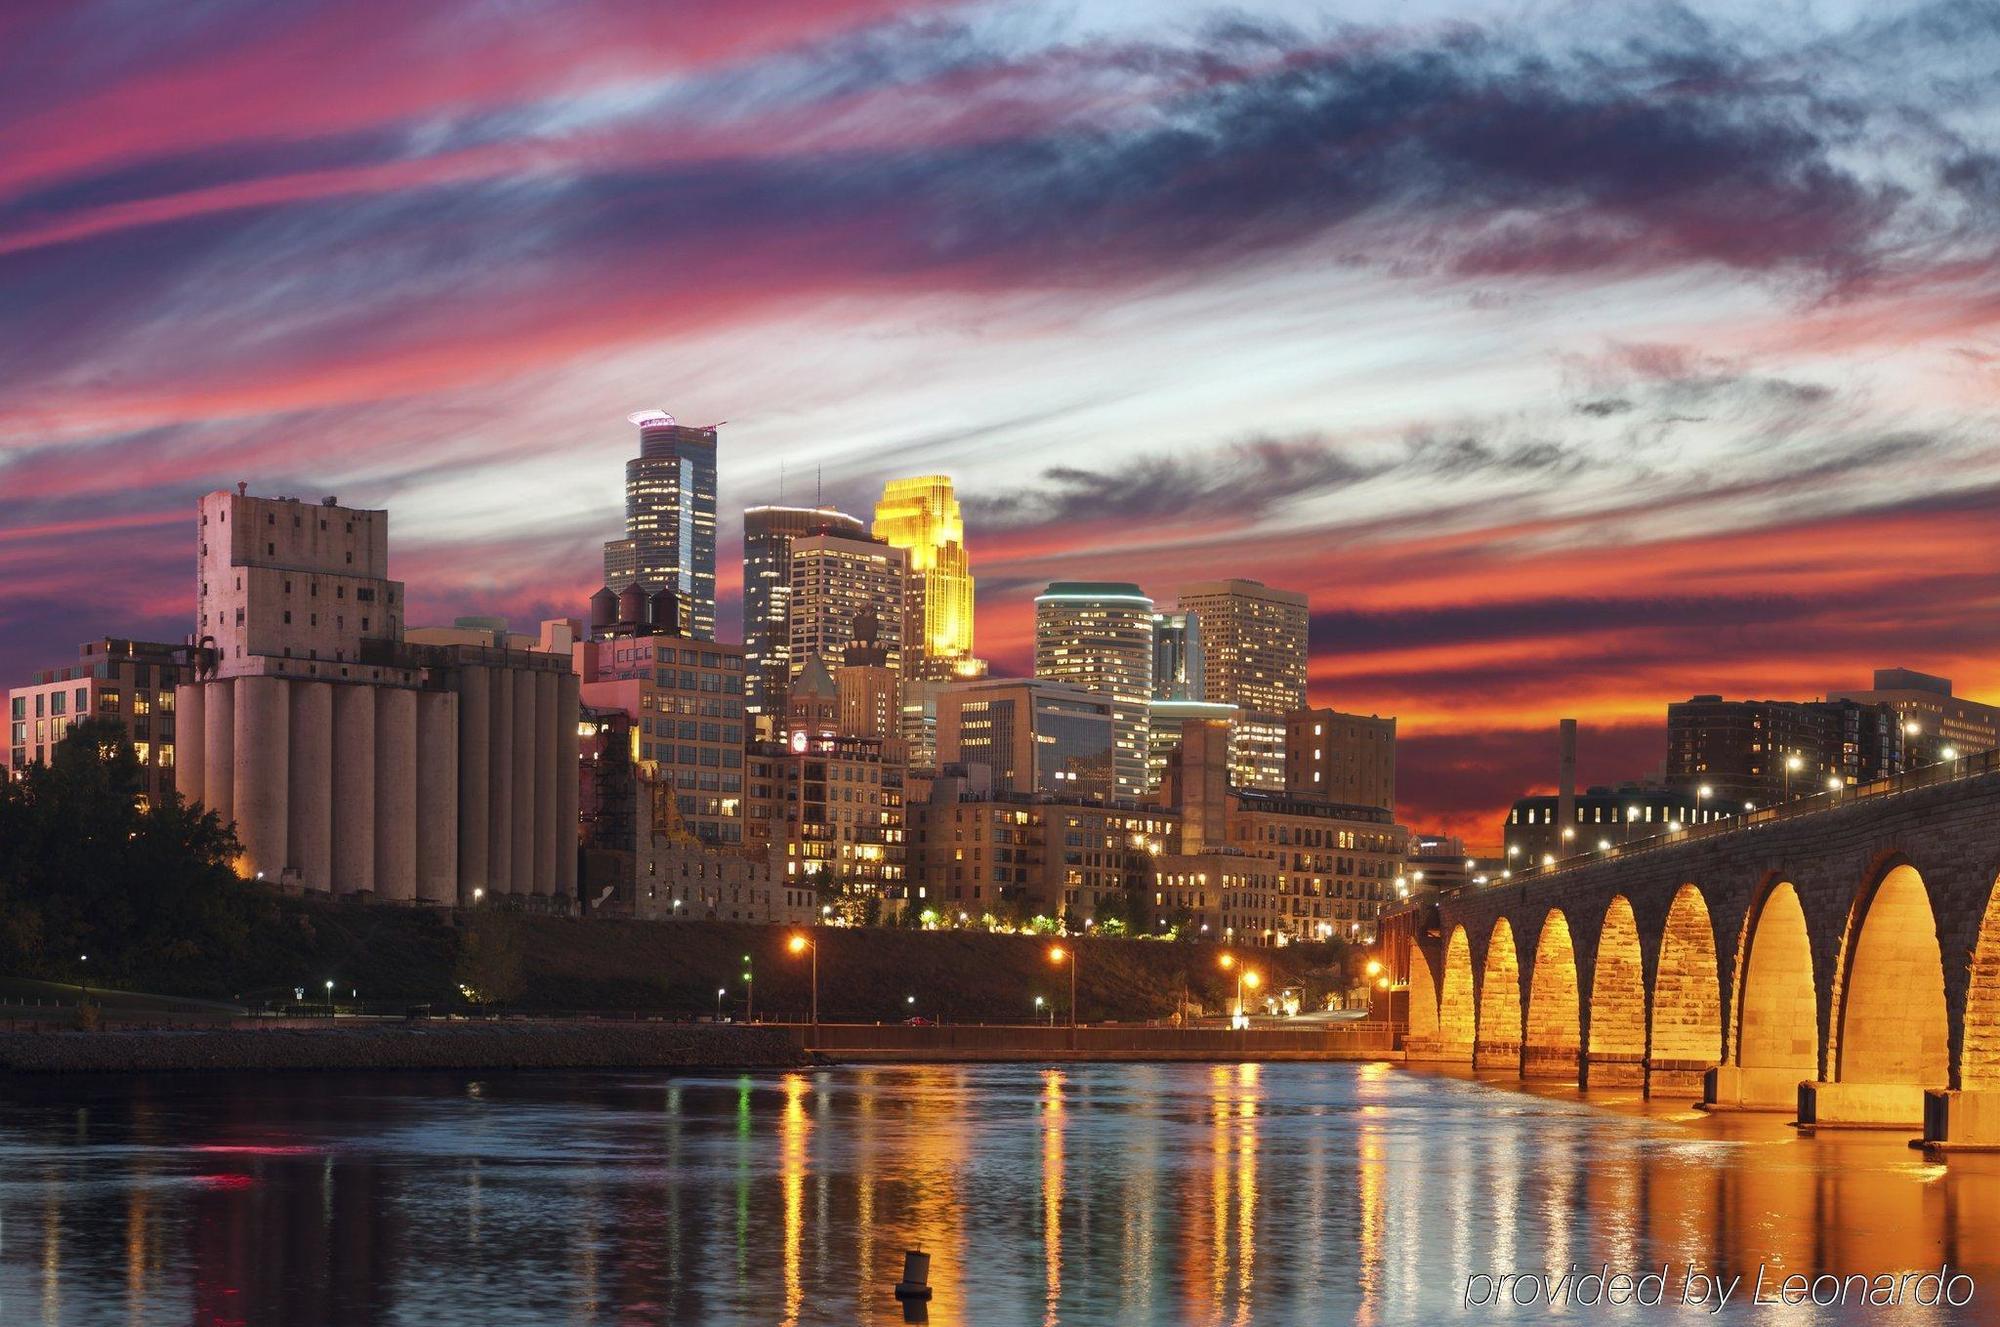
(1839,957)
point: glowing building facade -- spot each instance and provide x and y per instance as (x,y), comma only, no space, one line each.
(1253,647)
(921,516)
(669,538)
(1098,635)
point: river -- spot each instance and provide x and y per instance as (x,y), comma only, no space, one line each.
(1081,1195)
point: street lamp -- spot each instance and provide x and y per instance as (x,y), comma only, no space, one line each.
(1253,979)
(1701,796)
(84,959)
(1949,752)
(1039,1002)
(1792,762)
(798,944)
(329,999)
(1059,955)
(749,993)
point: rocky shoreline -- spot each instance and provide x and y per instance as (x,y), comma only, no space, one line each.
(425,1046)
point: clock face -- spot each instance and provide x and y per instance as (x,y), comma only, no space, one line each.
(799,739)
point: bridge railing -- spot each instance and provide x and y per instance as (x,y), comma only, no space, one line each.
(1928,776)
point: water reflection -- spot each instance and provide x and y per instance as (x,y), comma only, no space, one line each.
(1215,1195)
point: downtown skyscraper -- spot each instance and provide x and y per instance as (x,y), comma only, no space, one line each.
(669,538)
(1253,641)
(1098,635)
(921,516)
(768,534)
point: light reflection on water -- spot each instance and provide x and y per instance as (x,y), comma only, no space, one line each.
(1105,1194)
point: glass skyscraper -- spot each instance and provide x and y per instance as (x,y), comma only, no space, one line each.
(669,538)
(1098,635)
(768,533)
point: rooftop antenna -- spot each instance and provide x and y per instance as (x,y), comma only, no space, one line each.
(819,472)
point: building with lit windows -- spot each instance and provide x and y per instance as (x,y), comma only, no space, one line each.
(129,681)
(684,699)
(1016,856)
(1341,757)
(768,533)
(838,583)
(1035,736)
(1283,869)
(1934,721)
(1768,751)
(1098,636)
(669,517)
(1164,722)
(827,813)
(921,517)
(1254,650)
(1178,669)
(1607,817)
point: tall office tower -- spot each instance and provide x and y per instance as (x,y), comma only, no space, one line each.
(1098,635)
(921,517)
(1253,642)
(1036,736)
(768,533)
(669,538)
(1177,660)
(837,582)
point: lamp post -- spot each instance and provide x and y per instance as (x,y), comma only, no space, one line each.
(329,999)
(749,993)
(1701,796)
(1792,762)
(1038,1010)
(799,945)
(1253,979)
(1059,955)
(720,991)
(84,960)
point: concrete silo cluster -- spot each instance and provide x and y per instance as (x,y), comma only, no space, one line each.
(355,763)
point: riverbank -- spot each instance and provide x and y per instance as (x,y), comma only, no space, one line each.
(474,1046)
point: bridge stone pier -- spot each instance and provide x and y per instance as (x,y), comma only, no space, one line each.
(1838,958)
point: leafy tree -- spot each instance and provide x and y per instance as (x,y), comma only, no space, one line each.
(86,869)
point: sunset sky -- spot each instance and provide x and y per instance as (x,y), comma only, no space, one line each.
(1574,358)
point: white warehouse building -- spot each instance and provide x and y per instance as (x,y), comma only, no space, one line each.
(352,762)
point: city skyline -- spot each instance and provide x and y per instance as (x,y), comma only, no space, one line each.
(1626,449)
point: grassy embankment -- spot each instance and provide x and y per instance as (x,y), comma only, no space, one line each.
(540,963)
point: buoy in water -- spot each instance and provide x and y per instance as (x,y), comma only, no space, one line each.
(916,1276)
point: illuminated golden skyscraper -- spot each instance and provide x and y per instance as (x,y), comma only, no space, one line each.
(921,516)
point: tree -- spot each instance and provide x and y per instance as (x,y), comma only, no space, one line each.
(86,868)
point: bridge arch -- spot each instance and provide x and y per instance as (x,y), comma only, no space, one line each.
(1979,1054)
(1776,1034)
(1499,1040)
(1617,1001)
(1458,1012)
(1555,1010)
(1423,998)
(1892,1026)
(1687,996)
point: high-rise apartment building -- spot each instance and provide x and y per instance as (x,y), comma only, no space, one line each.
(1254,650)
(839,583)
(1165,722)
(768,533)
(921,517)
(1098,635)
(669,538)
(128,681)
(1337,757)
